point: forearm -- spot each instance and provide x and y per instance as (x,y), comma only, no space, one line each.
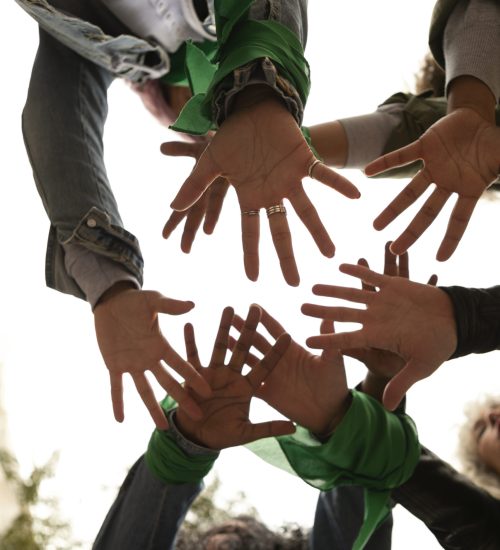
(459,514)
(477,317)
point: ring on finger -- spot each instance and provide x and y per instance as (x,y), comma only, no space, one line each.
(277,209)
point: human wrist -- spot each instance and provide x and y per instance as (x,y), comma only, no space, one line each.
(254,95)
(374,385)
(468,92)
(113,291)
(325,429)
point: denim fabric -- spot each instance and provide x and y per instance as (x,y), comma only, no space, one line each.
(82,48)
(146,514)
(338,519)
(124,55)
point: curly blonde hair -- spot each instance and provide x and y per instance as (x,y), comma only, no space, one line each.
(472,465)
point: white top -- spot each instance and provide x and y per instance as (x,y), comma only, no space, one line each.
(168,22)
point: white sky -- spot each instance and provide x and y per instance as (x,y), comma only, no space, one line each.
(55,383)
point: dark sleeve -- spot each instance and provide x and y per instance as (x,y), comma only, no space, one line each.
(459,514)
(477,314)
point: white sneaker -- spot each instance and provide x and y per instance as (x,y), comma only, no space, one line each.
(168,22)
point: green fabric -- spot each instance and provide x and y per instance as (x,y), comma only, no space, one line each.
(239,41)
(177,75)
(371,447)
(170,463)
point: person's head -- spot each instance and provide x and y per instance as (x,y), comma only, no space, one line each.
(430,77)
(479,444)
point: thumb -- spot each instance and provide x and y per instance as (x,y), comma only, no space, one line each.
(396,388)
(203,174)
(180,149)
(171,306)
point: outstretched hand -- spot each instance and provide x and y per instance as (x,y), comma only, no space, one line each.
(412,320)
(382,363)
(130,340)
(261,151)
(225,421)
(461,154)
(308,389)
(207,208)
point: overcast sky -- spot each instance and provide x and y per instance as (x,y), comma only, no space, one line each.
(55,383)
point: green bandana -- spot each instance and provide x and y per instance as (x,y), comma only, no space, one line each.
(169,462)
(239,41)
(371,447)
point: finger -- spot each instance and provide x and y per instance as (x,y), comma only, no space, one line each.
(342,314)
(148,397)
(309,217)
(252,359)
(180,149)
(193,222)
(364,286)
(272,326)
(116,382)
(390,261)
(459,220)
(402,201)
(259,342)
(245,340)
(397,387)
(368,276)
(340,340)
(191,347)
(216,198)
(329,354)
(162,304)
(172,222)
(283,244)
(177,392)
(404,266)
(222,338)
(433,279)
(344,293)
(425,216)
(262,370)
(274,428)
(203,174)
(332,179)
(250,233)
(402,156)
(192,377)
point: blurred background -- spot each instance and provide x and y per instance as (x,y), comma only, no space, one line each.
(54,390)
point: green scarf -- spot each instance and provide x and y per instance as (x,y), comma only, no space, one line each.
(371,447)
(239,41)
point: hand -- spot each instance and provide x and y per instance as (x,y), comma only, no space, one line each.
(225,421)
(461,154)
(308,389)
(260,150)
(130,340)
(412,320)
(208,206)
(382,363)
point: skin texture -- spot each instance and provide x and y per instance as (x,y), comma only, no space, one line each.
(260,150)
(461,156)
(309,389)
(225,421)
(130,341)
(487,431)
(414,321)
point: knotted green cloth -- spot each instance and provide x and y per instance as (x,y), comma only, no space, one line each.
(169,462)
(371,447)
(239,41)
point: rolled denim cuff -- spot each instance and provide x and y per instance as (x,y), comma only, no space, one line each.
(96,233)
(261,71)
